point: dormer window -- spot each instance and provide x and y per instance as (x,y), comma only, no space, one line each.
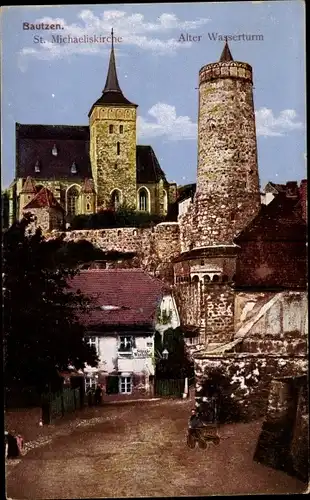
(54,150)
(73,168)
(37,166)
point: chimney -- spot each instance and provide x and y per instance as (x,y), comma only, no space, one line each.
(303,192)
(291,189)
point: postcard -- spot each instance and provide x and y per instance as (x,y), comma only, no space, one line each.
(154,221)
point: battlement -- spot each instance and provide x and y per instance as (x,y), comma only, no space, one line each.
(229,69)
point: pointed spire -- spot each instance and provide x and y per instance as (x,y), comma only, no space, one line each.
(226,54)
(112,84)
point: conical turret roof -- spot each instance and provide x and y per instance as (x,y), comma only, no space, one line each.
(226,54)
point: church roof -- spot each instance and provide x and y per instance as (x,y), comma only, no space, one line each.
(43,199)
(29,186)
(36,142)
(112,93)
(226,54)
(148,168)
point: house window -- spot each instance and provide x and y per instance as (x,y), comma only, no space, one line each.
(72,201)
(110,129)
(90,382)
(149,344)
(121,129)
(143,200)
(125,344)
(92,341)
(118,147)
(125,385)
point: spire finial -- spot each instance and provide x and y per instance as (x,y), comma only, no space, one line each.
(112,84)
(226,54)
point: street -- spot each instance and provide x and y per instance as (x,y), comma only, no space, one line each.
(139,449)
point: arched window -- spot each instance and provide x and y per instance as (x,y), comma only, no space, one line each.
(165,201)
(110,129)
(216,278)
(118,146)
(143,200)
(206,278)
(116,199)
(195,279)
(87,206)
(72,200)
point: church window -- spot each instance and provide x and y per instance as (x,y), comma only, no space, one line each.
(87,206)
(165,201)
(215,278)
(206,278)
(73,168)
(111,129)
(195,279)
(37,166)
(116,199)
(72,201)
(143,200)
(121,129)
(118,147)
(54,150)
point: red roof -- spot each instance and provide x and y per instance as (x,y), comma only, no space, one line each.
(43,199)
(119,296)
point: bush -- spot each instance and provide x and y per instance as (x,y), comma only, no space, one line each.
(123,217)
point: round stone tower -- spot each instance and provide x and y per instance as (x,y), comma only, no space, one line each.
(228,194)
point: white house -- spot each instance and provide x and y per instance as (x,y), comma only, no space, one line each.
(127,306)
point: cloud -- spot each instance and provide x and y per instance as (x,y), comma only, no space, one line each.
(132,28)
(166,124)
(267,125)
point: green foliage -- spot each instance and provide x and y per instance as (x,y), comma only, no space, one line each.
(123,217)
(178,364)
(42,332)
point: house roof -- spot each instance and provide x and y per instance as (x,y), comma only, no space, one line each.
(148,168)
(272,186)
(185,192)
(280,220)
(119,297)
(35,142)
(43,199)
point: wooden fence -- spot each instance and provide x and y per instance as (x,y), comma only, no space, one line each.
(169,387)
(56,405)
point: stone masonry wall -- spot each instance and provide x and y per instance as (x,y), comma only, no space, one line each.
(249,377)
(111,170)
(154,247)
(219,312)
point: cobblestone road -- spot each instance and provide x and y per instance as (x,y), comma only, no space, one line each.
(140,450)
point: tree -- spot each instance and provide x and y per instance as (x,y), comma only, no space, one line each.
(178,364)
(42,331)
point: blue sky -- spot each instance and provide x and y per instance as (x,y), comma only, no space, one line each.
(57,84)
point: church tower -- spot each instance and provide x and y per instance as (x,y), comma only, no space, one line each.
(113,144)
(228,194)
